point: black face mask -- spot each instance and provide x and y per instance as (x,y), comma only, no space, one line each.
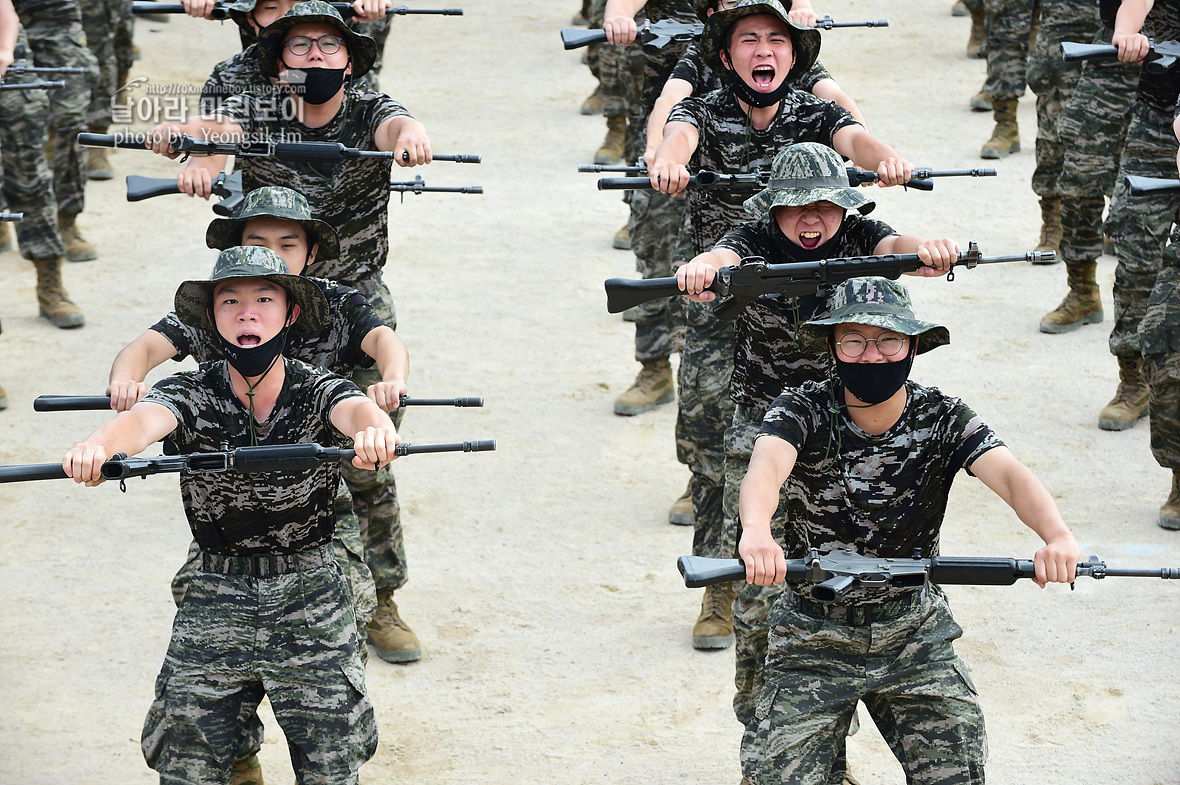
(796,252)
(874,383)
(315,85)
(253,361)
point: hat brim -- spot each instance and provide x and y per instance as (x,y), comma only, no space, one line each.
(805,41)
(761,204)
(362,50)
(887,317)
(193,299)
(225,233)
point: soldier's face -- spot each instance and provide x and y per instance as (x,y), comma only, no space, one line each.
(868,341)
(314,58)
(760,51)
(286,238)
(811,225)
(267,12)
(250,311)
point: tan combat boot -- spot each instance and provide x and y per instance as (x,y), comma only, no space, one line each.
(52,297)
(1050,227)
(391,637)
(975,42)
(593,104)
(681,512)
(1170,512)
(652,387)
(5,237)
(980,102)
(1082,305)
(714,627)
(614,145)
(77,248)
(1130,400)
(1006,135)
(247,771)
(97,165)
(622,239)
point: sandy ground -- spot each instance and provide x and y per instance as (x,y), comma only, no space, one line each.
(555,628)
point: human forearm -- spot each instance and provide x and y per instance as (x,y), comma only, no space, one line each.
(829,90)
(675,91)
(132,365)
(393,363)
(129,432)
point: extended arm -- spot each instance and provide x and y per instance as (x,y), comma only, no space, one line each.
(669,170)
(936,255)
(675,91)
(1015,483)
(1133,45)
(869,152)
(129,432)
(8,34)
(696,276)
(221,129)
(829,90)
(619,21)
(132,365)
(403,134)
(393,363)
(770,466)
(196,178)
(801,13)
(374,436)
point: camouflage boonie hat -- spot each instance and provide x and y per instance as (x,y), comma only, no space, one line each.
(194,297)
(807,173)
(804,40)
(237,10)
(273,201)
(878,302)
(362,50)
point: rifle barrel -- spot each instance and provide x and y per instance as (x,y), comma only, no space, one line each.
(636,170)
(459,402)
(7,216)
(71,403)
(56,85)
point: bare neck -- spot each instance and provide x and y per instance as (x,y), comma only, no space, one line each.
(760,117)
(879,418)
(318,115)
(266,392)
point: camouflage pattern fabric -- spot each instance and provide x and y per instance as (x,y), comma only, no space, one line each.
(291,637)
(238,74)
(655,221)
(904,669)
(106,24)
(27,182)
(1053,80)
(619,70)
(56,39)
(277,512)
(1007,30)
(1159,339)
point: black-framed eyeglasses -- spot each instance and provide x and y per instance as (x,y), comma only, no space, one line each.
(300,45)
(888,344)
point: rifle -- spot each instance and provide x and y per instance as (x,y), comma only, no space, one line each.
(228,187)
(32,85)
(7,216)
(221,13)
(245,460)
(827,23)
(1138,186)
(833,575)
(654,36)
(22,67)
(331,152)
(737,287)
(81,403)
(756,181)
(419,186)
(1160,59)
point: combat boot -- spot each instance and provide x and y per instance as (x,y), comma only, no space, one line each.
(52,298)
(975,42)
(1006,135)
(97,165)
(1050,227)
(714,627)
(622,239)
(5,237)
(593,104)
(680,513)
(391,637)
(247,771)
(614,145)
(1170,512)
(77,247)
(652,387)
(980,102)
(1130,400)
(1082,305)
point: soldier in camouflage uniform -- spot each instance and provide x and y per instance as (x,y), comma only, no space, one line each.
(107,24)
(56,39)
(1007,32)
(269,612)
(26,186)
(736,129)
(1093,126)
(809,213)
(859,477)
(353,198)
(620,73)
(1159,340)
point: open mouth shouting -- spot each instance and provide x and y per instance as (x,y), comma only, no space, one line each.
(810,240)
(763,77)
(246,340)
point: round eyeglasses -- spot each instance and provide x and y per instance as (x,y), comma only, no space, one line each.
(888,344)
(300,45)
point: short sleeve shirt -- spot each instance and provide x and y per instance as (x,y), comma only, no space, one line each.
(1160,91)
(881,495)
(273,512)
(729,145)
(352,195)
(336,348)
(237,75)
(769,351)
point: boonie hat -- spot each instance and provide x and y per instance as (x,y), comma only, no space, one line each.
(361,48)
(806,173)
(804,40)
(193,297)
(273,201)
(878,302)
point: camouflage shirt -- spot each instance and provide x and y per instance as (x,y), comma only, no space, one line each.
(878,495)
(729,145)
(692,69)
(337,348)
(1160,91)
(352,196)
(272,512)
(237,75)
(34,11)
(658,63)
(769,352)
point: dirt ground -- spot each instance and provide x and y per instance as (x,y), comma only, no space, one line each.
(555,628)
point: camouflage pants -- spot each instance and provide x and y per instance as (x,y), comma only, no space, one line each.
(1159,338)
(656,219)
(27,181)
(64,44)
(905,671)
(291,637)
(1093,126)
(706,365)
(1007,31)
(106,25)
(1053,80)
(1139,225)
(620,71)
